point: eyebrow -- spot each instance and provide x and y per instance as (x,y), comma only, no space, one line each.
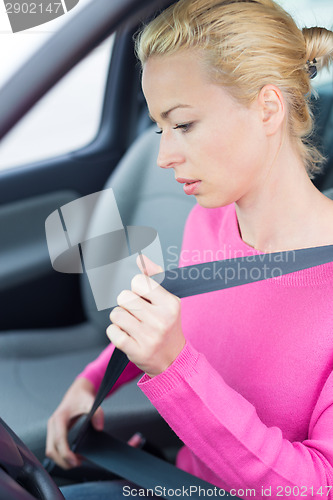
(164,115)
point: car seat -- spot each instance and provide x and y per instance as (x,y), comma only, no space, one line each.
(323,133)
(38,366)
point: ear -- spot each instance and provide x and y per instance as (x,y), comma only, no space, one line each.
(272,108)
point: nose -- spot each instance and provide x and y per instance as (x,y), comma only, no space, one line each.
(169,154)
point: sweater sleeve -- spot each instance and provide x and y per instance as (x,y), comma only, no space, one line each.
(229,445)
(95,370)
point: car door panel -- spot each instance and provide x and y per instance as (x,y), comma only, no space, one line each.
(28,194)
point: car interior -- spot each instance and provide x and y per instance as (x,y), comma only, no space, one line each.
(49,325)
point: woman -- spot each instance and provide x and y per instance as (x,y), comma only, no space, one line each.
(243,376)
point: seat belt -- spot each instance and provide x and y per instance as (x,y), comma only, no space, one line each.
(134,464)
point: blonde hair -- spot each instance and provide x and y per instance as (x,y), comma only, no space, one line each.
(247,44)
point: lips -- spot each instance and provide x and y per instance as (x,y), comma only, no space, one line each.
(186,181)
(191,186)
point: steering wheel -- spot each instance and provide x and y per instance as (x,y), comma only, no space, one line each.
(22,476)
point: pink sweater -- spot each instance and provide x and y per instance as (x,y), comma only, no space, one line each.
(251,394)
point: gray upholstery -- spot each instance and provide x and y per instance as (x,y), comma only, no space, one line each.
(22,228)
(32,344)
(37,367)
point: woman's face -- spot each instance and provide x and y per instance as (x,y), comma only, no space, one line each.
(206,135)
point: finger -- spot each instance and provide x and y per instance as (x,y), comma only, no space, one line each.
(125,322)
(119,338)
(136,440)
(98,419)
(66,458)
(147,266)
(149,289)
(134,304)
(57,447)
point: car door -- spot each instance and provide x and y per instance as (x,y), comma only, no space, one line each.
(30,191)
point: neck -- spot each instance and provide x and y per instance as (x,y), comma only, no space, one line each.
(285,211)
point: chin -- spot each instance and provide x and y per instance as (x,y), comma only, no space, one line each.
(212,202)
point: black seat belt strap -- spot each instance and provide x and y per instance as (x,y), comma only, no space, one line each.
(221,274)
(115,368)
(142,468)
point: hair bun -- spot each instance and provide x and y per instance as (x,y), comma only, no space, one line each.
(318,46)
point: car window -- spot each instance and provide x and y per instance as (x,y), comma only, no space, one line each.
(68,117)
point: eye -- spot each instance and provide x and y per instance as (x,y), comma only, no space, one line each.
(185,127)
(158,131)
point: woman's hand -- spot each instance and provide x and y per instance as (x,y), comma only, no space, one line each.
(77,401)
(147,324)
